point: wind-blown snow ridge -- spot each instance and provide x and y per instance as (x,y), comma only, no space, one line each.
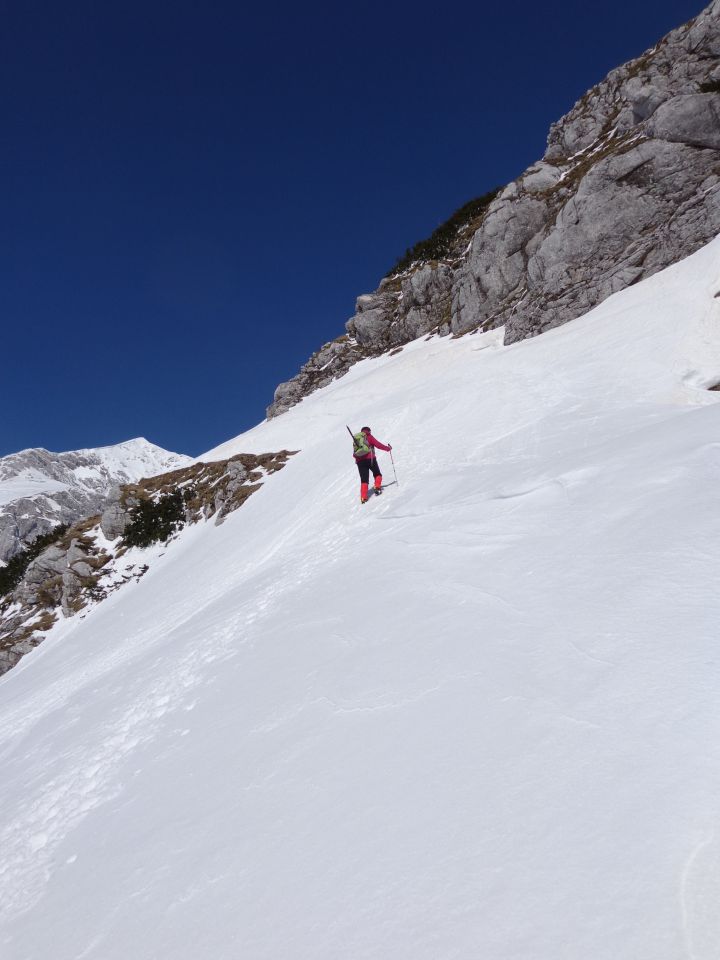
(476,717)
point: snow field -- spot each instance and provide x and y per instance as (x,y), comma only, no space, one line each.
(476,717)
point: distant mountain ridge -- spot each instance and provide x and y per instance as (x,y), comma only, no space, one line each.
(629,184)
(40,489)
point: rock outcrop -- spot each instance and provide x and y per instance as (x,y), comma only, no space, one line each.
(629,184)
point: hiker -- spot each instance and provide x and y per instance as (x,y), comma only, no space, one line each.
(366,460)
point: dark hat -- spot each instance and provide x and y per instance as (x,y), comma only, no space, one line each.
(365,430)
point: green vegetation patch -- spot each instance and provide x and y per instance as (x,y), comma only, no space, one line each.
(155,520)
(443,241)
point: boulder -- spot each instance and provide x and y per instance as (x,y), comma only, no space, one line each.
(693,119)
(115,519)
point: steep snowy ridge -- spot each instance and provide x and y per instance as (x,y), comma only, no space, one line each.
(477,717)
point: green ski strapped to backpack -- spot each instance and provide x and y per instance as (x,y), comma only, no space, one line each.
(360,445)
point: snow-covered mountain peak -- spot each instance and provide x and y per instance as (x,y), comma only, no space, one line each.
(39,488)
(136,458)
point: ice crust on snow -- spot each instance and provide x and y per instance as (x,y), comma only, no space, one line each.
(478,717)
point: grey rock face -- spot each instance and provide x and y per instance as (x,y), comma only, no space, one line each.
(369,325)
(114,520)
(693,119)
(237,474)
(426,303)
(634,213)
(629,184)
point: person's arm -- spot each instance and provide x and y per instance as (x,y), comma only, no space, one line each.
(376,443)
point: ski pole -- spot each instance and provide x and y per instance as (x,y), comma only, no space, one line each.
(392,461)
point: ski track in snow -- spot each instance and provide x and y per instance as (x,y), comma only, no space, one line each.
(699,897)
(475,717)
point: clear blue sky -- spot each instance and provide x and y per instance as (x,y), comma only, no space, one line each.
(193,194)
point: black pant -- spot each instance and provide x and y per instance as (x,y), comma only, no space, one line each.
(365,466)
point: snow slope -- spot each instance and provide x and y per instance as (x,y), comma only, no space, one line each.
(478,717)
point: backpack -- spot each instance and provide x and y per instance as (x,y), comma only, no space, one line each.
(360,445)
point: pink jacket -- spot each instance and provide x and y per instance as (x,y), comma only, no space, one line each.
(373,443)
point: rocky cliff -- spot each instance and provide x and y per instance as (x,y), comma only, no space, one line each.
(629,184)
(40,490)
